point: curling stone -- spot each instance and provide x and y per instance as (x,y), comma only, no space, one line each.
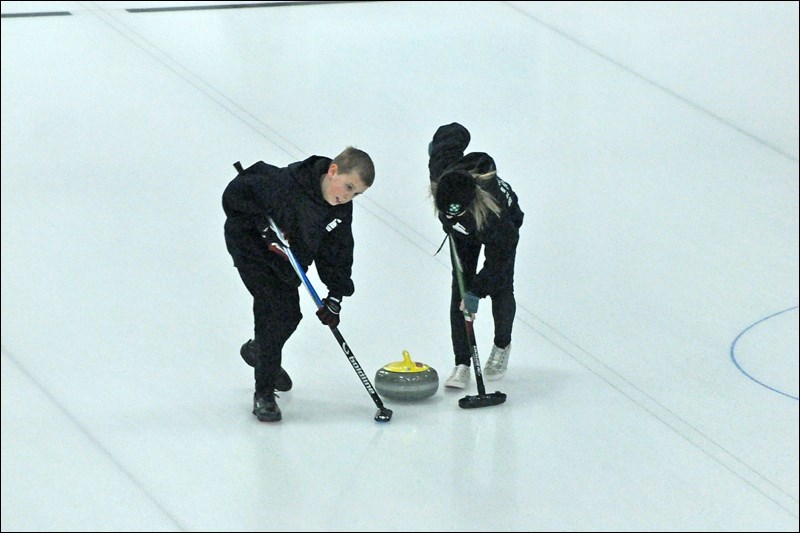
(406,380)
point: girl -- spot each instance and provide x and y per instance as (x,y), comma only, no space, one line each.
(477,209)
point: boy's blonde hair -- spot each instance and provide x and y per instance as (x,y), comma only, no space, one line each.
(353,160)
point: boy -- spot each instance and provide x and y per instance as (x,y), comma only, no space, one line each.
(310,202)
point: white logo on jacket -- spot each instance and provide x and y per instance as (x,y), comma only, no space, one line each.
(332,224)
(504,187)
(461,229)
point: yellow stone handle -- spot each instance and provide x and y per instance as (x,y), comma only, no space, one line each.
(406,365)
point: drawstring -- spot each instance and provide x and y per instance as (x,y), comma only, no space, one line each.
(446,236)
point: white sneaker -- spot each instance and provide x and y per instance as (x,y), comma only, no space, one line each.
(459,378)
(497,364)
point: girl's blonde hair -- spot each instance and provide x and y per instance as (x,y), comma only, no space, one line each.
(484,203)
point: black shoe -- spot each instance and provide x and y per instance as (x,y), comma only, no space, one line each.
(248,352)
(265,408)
(283,383)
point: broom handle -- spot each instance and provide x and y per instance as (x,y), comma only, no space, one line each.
(476,362)
(362,376)
(295,264)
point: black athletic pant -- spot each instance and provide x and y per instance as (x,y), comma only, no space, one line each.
(504,305)
(276,313)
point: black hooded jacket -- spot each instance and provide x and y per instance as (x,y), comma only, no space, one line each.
(500,233)
(317,231)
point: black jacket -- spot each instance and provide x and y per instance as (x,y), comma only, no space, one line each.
(317,231)
(500,233)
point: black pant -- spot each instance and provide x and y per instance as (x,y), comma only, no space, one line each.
(276,313)
(504,305)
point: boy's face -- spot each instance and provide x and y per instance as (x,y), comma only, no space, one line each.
(340,188)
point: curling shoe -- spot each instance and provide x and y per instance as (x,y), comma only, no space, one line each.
(265,408)
(459,378)
(497,364)
(248,352)
(283,383)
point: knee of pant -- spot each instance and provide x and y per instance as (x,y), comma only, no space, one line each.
(288,324)
(294,321)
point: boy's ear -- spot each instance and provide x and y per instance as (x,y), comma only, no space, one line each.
(332,169)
